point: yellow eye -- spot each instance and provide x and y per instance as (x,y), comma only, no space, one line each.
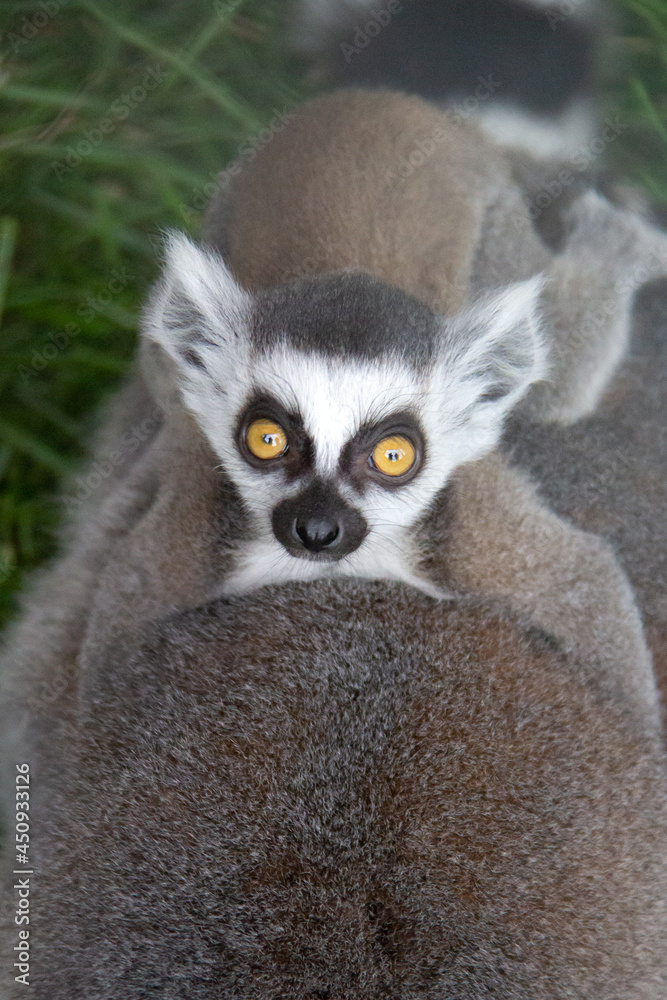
(266,439)
(394,455)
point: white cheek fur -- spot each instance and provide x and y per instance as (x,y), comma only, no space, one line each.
(264,562)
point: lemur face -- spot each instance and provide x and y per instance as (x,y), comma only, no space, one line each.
(339,407)
(330,452)
(326,520)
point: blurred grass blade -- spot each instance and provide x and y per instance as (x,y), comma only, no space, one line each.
(648,108)
(46,96)
(22,440)
(221,95)
(210,32)
(8,231)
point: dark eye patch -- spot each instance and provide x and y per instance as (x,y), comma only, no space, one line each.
(354,460)
(299,456)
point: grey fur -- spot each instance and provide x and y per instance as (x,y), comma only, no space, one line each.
(407,798)
(608,474)
(609,253)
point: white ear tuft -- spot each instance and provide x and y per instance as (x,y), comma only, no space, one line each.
(490,355)
(204,278)
(194,323)
(514,311)
(495,349)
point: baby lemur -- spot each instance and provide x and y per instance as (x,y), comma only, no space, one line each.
(342,366)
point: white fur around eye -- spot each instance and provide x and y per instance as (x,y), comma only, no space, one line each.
(335,397)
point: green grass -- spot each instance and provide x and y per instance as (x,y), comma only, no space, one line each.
(78,230)
(68,223)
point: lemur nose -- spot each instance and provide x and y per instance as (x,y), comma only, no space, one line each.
(316,533)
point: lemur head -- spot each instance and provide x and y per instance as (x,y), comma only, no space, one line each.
(338,406)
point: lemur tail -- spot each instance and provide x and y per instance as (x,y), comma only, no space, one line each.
(523,68)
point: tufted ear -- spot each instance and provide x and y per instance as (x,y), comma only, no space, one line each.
(489,356)
(195,326)
(492,352)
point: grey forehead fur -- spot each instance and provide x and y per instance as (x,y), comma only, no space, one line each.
(346,315)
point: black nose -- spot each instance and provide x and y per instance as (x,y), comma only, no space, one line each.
(318,524)
(316,533)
